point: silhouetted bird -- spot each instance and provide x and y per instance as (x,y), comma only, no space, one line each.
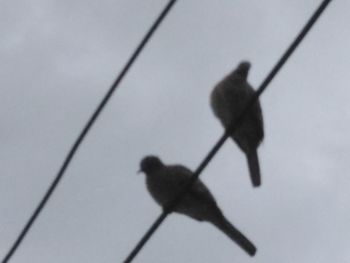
(228,99)
(164,182)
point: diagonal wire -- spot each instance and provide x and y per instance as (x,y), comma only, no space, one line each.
(235,124)
(85,130)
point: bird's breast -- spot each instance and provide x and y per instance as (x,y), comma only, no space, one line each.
(161,190)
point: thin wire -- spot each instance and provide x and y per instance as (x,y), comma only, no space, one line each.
(86,129)
(235,124)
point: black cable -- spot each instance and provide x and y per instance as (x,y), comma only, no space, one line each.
(235,124)
(85,130)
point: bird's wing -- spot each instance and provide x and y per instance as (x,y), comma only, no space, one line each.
(180,174)
(198,189)
(202,192)
(256,112)
(258,118)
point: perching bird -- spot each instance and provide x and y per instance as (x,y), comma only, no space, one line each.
(164,182)
(228,99)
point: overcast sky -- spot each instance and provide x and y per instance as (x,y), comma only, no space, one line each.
(57,60)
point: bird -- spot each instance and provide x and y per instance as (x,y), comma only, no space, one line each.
(228,100)
(165,182)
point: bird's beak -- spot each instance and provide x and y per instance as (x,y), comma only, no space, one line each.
(139,171)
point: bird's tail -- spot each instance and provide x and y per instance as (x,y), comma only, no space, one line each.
(254,168)
(235,235)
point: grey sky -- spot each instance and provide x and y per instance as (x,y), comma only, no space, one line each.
(58,58)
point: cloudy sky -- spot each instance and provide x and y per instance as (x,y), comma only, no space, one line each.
(58,58)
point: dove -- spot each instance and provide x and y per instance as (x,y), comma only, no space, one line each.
(228,99)
(164,182)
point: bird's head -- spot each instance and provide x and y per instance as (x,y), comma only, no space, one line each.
(243,69)
(150,164)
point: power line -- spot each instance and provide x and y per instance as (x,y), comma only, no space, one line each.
(235,124)
(86,129)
